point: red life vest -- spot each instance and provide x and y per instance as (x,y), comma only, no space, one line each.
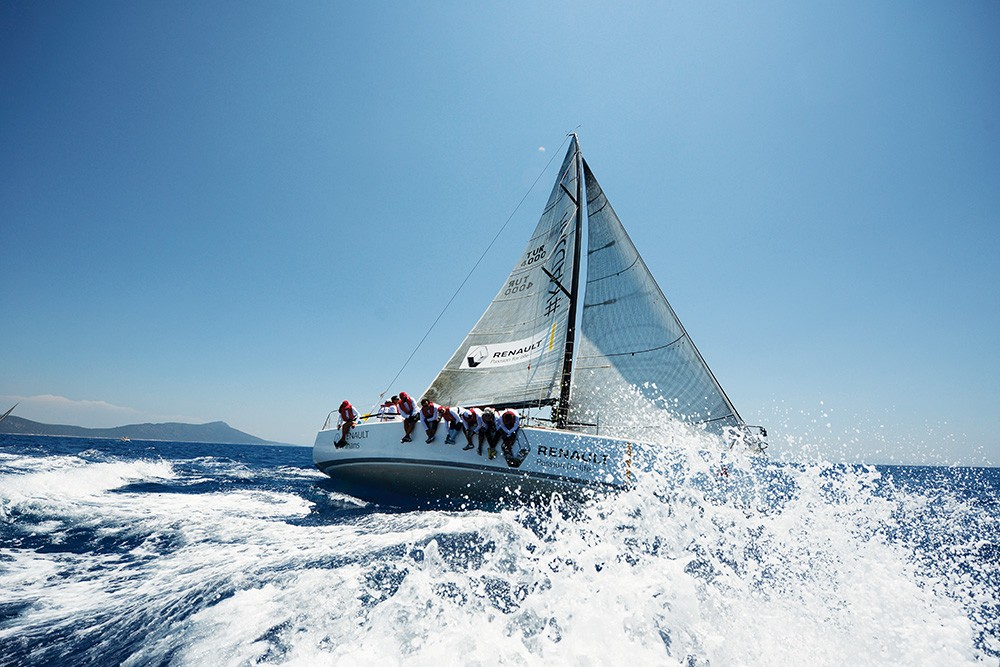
(347,413)
(430,412)
(406,406)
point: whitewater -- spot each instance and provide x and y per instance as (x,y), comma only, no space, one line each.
(154,553)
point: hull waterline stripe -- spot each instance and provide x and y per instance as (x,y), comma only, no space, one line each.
(325,466)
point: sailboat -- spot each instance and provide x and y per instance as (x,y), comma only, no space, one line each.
(533,350)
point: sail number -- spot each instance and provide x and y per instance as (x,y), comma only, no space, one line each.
(518,285)
(533,256)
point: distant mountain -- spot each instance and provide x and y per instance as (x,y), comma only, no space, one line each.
(220,432)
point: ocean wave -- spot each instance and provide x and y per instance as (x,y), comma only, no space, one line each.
(720,559)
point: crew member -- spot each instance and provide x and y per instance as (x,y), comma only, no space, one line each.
(387,412)
(489,432)
(429,418)
(472,421)
(508,425)
(452,418)
(408,409)
(348,418)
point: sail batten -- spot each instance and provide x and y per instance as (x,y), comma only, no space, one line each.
(633,352)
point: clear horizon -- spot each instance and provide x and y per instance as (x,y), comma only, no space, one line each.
(248,214)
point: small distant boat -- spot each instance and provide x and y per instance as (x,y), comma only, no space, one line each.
(125,438)
(630,356)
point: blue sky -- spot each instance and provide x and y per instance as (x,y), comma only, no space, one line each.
(250,211)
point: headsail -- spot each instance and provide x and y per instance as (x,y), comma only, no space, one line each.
(514,355)
(630,335)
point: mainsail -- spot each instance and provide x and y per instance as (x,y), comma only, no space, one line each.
(513,357)
(630,340)
(630,337)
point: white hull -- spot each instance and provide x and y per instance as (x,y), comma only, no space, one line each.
(375,466)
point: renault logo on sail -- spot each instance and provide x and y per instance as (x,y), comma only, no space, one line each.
(476,355)
(503,354)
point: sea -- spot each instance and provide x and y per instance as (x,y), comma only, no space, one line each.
(168,553)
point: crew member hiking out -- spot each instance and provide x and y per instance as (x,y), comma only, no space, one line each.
(489,433)
(508,425)
(453,420)
(429,418)
(408,410)
(348,418)
(472,421)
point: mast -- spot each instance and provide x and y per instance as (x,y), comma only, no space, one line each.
(562,409)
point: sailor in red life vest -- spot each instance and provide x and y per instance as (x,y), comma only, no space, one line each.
(508,425)
(489,432)
(429,418)
(452,418)
(348,418)
(472,421)
(408,409)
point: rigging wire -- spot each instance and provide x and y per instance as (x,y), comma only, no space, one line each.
(473,269)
